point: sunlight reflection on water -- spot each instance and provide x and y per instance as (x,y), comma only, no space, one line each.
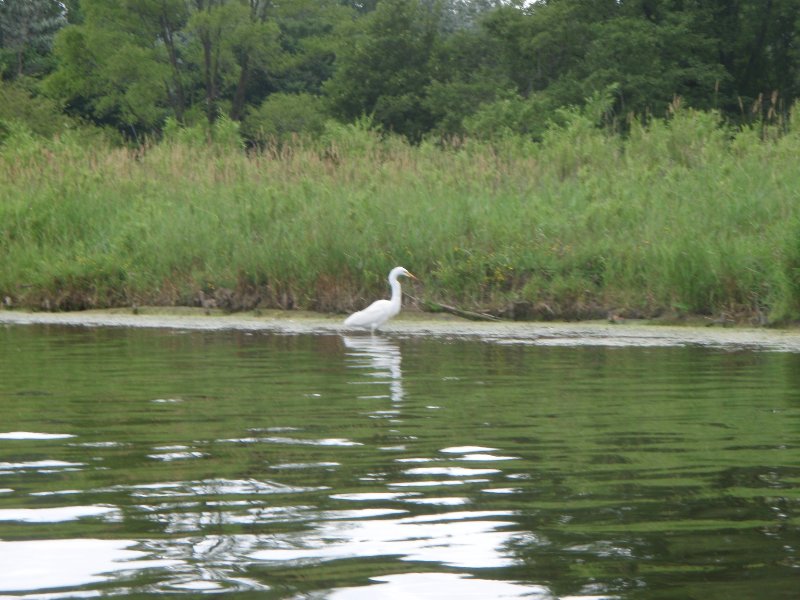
(32,565)
(439,586)
(57,514)
(456,539)
(29,435)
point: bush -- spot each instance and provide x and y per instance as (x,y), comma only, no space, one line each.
(42,116)
(282,116)
(222,135)
(39,115)
(510,117)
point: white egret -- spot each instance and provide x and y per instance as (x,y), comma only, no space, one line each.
(380,311)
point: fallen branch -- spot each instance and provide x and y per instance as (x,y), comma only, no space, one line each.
(434,307)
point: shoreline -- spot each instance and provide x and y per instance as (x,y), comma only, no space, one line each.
(415,324)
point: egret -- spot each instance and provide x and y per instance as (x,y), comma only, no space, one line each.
(380,311)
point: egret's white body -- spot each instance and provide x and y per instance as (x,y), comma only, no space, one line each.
(380,311)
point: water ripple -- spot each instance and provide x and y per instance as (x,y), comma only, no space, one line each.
(57,514)
(439,586)
(43,564)
(451,471)
(457,539)
(43,466)
(213,487)
(30,435)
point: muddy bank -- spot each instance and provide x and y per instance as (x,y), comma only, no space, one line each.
(628,334)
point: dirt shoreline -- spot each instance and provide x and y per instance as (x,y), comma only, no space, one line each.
(412,324)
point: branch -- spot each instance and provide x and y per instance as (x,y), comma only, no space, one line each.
(436,307)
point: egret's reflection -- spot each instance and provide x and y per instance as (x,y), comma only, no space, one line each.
(381,357)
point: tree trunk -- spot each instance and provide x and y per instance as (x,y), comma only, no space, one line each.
(178,97)
(237,109)
(755,61)
(209,78)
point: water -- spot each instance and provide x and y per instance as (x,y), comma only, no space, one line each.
(325,466)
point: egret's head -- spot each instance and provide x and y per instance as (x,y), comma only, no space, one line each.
(406,273)
(400,272)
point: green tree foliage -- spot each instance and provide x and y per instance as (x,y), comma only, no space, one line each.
(122,66)
(26,34)
(231,41)
(569,49)
(136,63)
(466,77)
(757,44)
(384,67)
(416,67)
(308,39)
(18,107)
(284,115)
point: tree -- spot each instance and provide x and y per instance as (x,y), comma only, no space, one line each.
(308,40)
(757,44)
(214,27)
(466,74)
(27,28)
(650,61)
(122,65)
(255,47)
(411,66)
(134,63)
(650,50)
(383,67)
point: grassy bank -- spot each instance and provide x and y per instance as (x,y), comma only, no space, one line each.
(682,217)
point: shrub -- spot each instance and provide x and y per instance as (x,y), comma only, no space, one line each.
(282,116)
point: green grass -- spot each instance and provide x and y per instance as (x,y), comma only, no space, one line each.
(684,216)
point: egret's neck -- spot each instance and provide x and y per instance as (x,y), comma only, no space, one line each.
(397,293)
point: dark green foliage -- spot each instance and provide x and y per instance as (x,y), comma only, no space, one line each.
(118,66)
(22,109)
(39,115)
(283,116)
(26,35)
(420,68)
(383,67)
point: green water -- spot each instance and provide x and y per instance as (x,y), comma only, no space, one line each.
(319,466)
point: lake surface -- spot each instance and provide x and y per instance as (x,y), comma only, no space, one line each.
(275,465)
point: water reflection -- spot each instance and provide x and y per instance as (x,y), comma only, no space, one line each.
(514,471)
(28,435)
(438,586)
(43,564)
(458,539)
(382,359)
(57,514)
(40,466)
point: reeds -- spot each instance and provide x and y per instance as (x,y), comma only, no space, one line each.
(683,216)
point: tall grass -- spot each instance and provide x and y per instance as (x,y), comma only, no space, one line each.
(681,216)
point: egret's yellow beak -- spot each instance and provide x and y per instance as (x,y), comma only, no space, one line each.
(410,274)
